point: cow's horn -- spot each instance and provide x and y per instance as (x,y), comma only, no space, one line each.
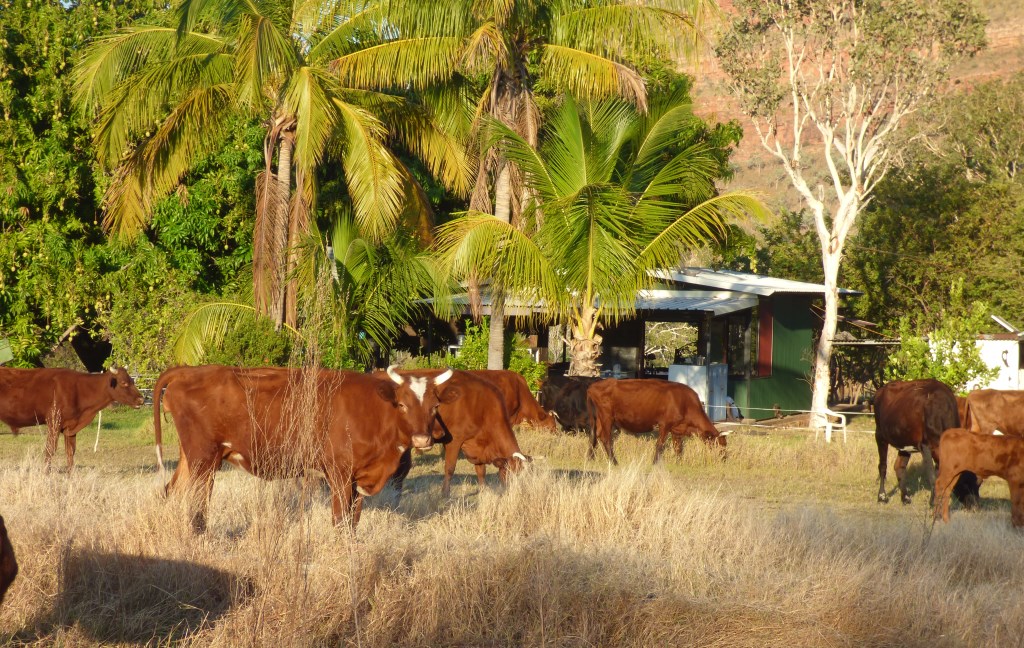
(443,377)
(520,456)
(393,375)
(997,433)
(726,433)
(113,370)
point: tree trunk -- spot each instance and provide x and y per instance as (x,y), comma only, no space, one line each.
(585,345)
(502,211)
(284,180)
(823,355)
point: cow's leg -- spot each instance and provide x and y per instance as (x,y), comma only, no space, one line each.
(204,471)
(883,459)
(929,470)
(69,448)
(398,479)
(1017,504)
(481,475)
(659,447)
(943,490)
(341,501)
(451,455)
(356,508)
(900,468)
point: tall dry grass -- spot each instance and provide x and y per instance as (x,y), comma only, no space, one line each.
(570,554)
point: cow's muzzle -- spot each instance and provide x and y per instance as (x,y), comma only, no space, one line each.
(422,441)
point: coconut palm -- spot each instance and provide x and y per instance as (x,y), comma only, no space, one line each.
(612,195)
(580,47)
(162,95)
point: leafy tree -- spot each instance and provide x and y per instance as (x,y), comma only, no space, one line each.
(48,275)
(613,195)
(523,48)
(162,94)
(947,353)
(845,73)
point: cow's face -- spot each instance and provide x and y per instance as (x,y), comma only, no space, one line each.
(122,388)
(717,440)
(417,397)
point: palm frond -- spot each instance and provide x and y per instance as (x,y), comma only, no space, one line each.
(265,56)
(309,97)
(706,221)
(419,61)
(629,30)
(591,76)
(374,182)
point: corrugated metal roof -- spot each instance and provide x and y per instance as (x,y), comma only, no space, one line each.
(743,282)
(719,302)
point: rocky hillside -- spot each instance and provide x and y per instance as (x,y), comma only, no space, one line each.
(756,169)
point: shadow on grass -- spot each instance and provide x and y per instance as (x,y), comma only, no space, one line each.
(141,600)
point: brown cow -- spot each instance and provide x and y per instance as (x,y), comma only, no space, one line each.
(8,565)
(275,423)
(478,425)
(986,455)
(912,416)
(63,399)
(637,405)
(989,410)
(520,404)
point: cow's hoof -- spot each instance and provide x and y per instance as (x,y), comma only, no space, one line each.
(906,499)
(883,498)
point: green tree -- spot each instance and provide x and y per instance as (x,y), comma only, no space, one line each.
(162,94)
(948,352)
(842,75)
(590,49)
(613,195)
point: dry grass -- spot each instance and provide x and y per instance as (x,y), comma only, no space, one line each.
(782,544)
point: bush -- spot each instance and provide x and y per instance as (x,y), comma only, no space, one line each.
(473,355)
(256,345)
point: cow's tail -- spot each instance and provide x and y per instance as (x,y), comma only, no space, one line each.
(966,423)
(158,393)
(592,419)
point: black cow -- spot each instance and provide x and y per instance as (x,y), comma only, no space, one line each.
(566,398)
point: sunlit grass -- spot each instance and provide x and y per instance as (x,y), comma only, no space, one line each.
(780,544)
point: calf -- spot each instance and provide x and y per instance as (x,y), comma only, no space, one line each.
(275,423)
(637,405)
(986,455)
(63,399)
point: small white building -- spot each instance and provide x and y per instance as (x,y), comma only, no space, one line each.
(1002,351)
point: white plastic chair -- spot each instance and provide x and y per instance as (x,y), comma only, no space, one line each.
(841,423)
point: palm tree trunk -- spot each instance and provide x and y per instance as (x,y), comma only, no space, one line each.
(284,181)
(502,211)
(585,345)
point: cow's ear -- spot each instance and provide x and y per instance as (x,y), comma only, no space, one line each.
(113,382)
(450,395)
(387,393)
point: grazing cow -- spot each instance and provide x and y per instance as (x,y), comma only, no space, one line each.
(8,565)
(912,416)
(989,410)
(986,455)
(520,404)
(637,405)
(355,428)
(566,398)
(477,424)
(63,399)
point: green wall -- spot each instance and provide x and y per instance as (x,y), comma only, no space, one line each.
(789,385)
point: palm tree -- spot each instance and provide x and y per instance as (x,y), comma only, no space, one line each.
(612,195)
(162,95)
(579,47)
(356,293)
